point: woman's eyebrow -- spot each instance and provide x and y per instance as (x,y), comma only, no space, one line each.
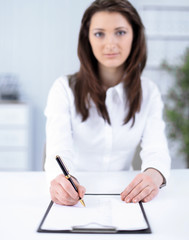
(102,29)
(98,29)
(121,27)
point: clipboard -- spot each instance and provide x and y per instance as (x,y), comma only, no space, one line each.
(94,227)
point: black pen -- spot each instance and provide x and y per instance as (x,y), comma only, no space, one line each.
(67,175)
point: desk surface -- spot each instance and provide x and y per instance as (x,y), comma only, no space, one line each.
(24,199)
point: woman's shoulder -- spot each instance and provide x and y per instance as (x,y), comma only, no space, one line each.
(62,84)
(61,89)
(60,95)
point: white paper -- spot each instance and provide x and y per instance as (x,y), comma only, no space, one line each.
(100,210)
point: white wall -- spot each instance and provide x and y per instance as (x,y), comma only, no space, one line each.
(38,43)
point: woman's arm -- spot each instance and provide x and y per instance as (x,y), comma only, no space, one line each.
(155,155)
(59,142)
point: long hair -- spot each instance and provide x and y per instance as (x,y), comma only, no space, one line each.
(87,84)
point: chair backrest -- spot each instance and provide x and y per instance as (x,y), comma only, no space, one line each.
(136,163)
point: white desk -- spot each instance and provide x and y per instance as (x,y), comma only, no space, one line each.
(24,198)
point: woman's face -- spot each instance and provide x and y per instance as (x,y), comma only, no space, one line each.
(110,36)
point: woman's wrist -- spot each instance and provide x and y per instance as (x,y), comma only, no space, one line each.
(156,175)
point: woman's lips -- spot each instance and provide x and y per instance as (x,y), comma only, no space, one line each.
(111,55)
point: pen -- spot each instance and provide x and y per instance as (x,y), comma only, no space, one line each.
(67,175)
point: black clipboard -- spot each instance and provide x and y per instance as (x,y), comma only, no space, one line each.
(95,228)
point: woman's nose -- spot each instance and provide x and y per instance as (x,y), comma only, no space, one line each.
(110,43)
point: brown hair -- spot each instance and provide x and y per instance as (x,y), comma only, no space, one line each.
(87,82)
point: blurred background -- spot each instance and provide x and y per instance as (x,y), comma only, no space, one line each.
(38,43)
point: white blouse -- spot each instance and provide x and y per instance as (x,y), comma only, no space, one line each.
(94,145)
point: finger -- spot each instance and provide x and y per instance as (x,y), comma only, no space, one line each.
(63,195)
(64,202)
(67,186)
(136,191)
(55,200)
(81,191)
(151,196)
(54,195)
(144,192)
(131,186)
(64,198)
(59,194)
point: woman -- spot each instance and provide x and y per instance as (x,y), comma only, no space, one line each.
(97,117)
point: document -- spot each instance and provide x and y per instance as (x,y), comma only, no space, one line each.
(102,213)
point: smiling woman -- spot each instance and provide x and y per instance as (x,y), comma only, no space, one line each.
(132,67)
(97,117)
(110,36)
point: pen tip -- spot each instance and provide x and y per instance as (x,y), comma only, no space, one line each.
(82,202)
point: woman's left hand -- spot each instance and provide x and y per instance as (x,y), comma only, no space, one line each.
(144,187)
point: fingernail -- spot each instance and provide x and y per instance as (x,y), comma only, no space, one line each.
(128,200)
(134,200)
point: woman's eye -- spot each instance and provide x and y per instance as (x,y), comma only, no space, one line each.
(120,33)
(99,34)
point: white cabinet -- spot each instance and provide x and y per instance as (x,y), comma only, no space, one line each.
(14,136)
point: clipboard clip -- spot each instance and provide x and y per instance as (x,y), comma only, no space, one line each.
(94,228)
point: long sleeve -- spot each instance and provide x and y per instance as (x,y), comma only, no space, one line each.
(58,129)
(155,152)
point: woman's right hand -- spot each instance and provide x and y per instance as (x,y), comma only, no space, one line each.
(63,193)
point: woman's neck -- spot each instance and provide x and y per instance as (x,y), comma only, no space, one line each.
(110,76)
